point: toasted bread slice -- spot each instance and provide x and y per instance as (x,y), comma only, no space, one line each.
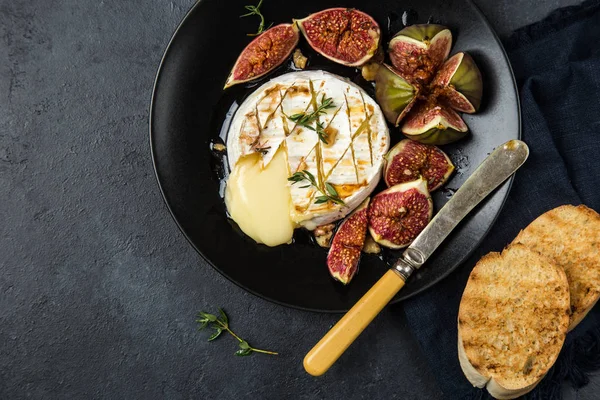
(512,321)
(570,235)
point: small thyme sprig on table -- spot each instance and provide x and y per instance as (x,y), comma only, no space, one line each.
(220,324)
(255,10)
(330,194)
(305,119)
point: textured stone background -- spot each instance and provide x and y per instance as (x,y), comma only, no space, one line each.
(98,288)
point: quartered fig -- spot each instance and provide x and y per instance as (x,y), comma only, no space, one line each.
(417,51)
(344,35)
(398,214)
(461,79)
(347,244)
(409,160)
(432,123)
(394,94)
(265,53)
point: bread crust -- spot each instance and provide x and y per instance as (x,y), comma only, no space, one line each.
(570,236)
(512,320)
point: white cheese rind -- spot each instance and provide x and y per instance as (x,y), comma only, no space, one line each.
(352,163)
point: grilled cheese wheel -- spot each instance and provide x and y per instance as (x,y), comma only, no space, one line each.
(512,320)
(570,235)
(354,128)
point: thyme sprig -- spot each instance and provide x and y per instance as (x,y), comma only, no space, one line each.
(255,10)
(220,324)
(306,119)
(330,194)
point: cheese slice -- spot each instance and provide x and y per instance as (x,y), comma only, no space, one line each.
(351,161)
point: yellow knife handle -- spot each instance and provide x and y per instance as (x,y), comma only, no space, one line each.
(337,340)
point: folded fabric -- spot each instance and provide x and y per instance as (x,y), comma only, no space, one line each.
(557,67)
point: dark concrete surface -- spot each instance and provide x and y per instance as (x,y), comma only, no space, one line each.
(98,288)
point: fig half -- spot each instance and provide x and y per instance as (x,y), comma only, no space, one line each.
(344,35)
(462,81)
(265,53)
(434,124)
(417,51)
(398,214)
(394,94)
(347,244)
(409,160)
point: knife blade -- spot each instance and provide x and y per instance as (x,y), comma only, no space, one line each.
(490,174)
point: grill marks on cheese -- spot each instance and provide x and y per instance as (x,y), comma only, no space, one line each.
(267,127)
(318,150)
(351,160)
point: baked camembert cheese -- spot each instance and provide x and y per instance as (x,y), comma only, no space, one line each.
(265,147)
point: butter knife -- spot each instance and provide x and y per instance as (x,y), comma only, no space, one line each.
(494,170)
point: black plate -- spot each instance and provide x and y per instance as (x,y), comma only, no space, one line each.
(188,112)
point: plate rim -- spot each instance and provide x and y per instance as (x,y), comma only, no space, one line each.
(396,299)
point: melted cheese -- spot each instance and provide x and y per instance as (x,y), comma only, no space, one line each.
(258,199)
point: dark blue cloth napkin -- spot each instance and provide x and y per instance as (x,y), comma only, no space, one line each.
(557,67)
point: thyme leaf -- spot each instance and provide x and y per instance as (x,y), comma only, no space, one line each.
(255,10)
(306,119)
(330,194)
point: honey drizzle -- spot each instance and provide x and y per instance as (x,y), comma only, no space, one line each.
(351,140)
(368,130)
(318,149)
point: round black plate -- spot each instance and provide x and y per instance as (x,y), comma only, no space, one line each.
(189,109)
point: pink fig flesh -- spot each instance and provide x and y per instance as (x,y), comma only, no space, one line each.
(345,251)
(265,53)
(394,94)
(433,123)
(409,160)
(344,35)
(456,100)
(461,81)
(418,51)
(397,215)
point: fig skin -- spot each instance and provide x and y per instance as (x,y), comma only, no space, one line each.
(430,123)
(442,86)
(265,53)
(344,35)
(417,51)
(462,81)
(408,160)
(398,214)
(346,246)
(394,94)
